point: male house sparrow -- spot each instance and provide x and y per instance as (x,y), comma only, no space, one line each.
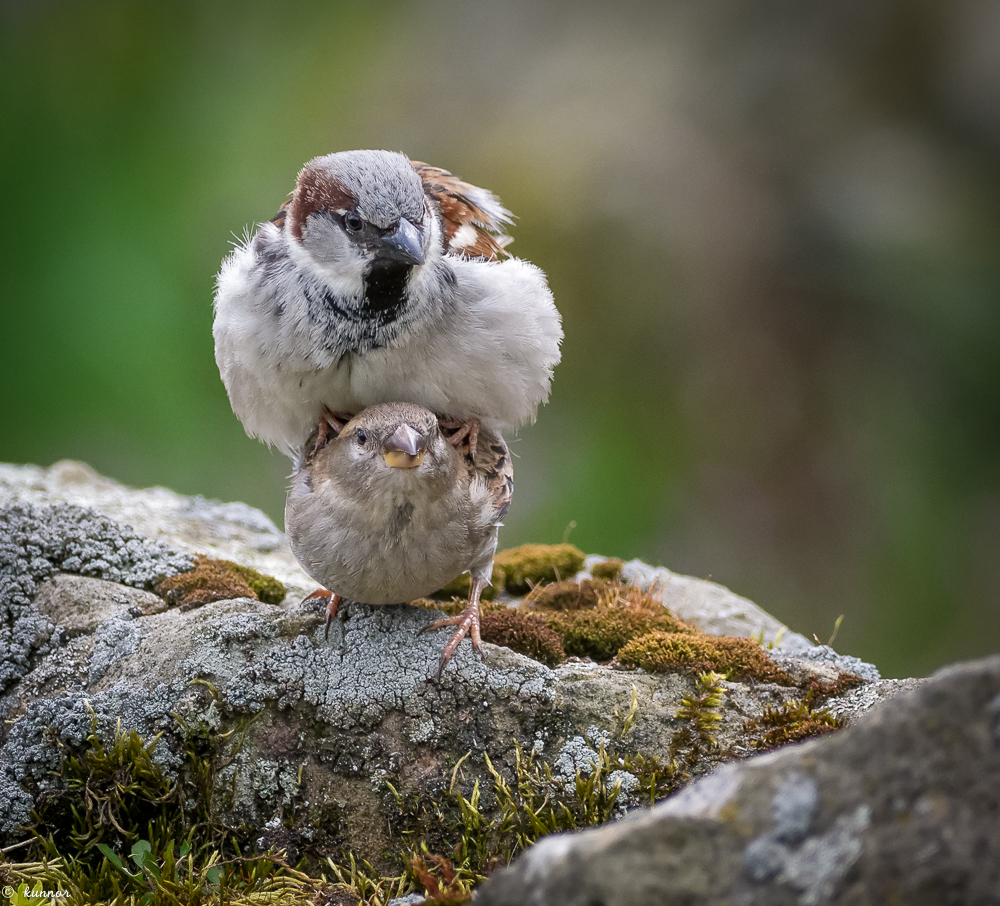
(383,510)
(381,279)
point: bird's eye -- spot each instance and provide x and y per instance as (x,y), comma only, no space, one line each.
(361,436)
(353,223)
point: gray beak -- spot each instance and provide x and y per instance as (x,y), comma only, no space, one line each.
(405,245)
(405,449)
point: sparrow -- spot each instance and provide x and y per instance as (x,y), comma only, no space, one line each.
(383,509)
(383,279)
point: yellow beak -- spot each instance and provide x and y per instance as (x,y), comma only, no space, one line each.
(397,459)
(405,449)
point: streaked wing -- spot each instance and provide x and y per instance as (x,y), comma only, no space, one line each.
(475,223)
(495,466)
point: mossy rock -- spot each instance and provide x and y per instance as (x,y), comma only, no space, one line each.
(792,722)
(600,634)
(219,580)
(675,652)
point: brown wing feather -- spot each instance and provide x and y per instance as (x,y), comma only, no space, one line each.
(494,465)
(475,223)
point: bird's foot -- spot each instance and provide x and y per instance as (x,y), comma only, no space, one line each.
(330,426)
(458,430)
(468,624)
(332,603)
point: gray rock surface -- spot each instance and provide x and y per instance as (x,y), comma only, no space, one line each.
(323,725)
(903,807)
(713,608)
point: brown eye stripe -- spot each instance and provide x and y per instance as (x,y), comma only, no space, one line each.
(317,191)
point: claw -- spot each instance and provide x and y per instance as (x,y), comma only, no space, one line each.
(329,423)
(467,622)
(462,428)
(333,602)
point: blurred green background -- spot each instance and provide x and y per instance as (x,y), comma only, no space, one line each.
(772,230)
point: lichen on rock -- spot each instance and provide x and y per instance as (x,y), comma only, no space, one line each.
(316,733)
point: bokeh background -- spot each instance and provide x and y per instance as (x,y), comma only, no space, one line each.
(772,230)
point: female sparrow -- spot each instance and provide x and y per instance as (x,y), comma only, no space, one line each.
(382,279)
(383,510)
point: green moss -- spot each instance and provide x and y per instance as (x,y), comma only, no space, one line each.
(601,634)
(119,830)
(792,722)
(526,566)
(268,589)
(520,569)
(610,569)
(595,618)
(592,618)
(219,580)
(672,652)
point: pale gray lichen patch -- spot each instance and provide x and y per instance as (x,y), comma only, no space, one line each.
(844,662)
(627,779)
(575,757)
(812,865)
(117,637)
(822,862)
(273,783)
(244,627)
(37,542)
(794,806)
(375,662)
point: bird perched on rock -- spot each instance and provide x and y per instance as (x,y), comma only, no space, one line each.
(383,510)
(382,279)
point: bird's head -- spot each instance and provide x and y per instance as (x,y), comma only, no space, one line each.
(357,211)
(393,444)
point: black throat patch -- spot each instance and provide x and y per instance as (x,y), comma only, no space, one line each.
(385,290)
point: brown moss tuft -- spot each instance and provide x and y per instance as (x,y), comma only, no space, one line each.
(567,595)
(610,569)
(219,580)
(673,652)
(792,722)
(526,566)
(818,691)
(527,634)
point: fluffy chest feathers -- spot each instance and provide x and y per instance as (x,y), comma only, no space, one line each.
(469,338)
(389,547)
